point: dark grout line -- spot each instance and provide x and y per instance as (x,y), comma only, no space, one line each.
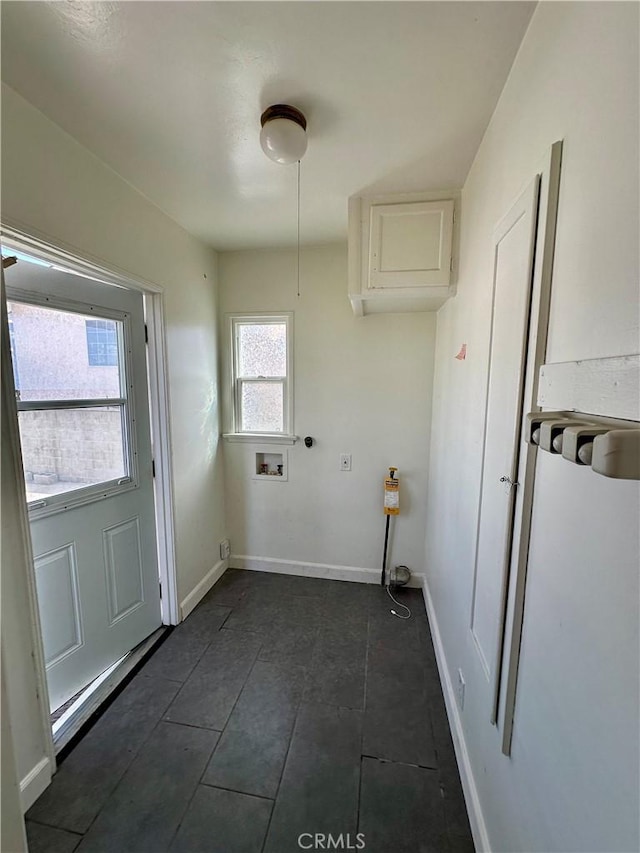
(364,710)
(284,765)
(224,621)
(189,725)
(241,691)
(162,678)
(241,631)
(334,705)
(402,763)
(196,786)
(53,826)
(359,800)
(234,791)
(213,751)
(256,660)
(124,773)
(192,670)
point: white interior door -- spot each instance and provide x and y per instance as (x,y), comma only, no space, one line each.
(514,242)
(78,351)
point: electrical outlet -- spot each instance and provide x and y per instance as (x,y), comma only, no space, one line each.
(345,461)
(225,549)
(461,686)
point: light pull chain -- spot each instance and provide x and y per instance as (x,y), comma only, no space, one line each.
(298,231)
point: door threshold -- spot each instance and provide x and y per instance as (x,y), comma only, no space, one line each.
(69,725)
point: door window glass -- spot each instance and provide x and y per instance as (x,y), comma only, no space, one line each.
(68,449)
(69,374)
(61,355)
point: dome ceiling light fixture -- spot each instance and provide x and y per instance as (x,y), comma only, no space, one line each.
(284,140)
(284,134)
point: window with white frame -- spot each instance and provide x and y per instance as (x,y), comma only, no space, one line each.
(262,374)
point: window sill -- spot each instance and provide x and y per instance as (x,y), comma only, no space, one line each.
(259,438)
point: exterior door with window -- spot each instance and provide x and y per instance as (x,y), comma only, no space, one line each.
(79,360)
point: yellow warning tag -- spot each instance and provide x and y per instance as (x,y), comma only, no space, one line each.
(391,497)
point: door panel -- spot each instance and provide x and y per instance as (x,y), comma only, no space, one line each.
(512,275)
(123,565)
(57,583)
(80,369)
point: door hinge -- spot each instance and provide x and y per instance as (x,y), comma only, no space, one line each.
(146,334)
(160,588)
(153,468)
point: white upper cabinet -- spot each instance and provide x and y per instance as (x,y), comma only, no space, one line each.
(400,252)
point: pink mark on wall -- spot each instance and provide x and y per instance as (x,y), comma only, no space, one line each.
(463,353)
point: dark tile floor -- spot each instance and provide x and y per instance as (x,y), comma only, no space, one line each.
(281,706)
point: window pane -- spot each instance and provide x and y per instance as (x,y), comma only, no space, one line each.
(102,343)
(67,449)
(262,407)
(60,355)
(262,349)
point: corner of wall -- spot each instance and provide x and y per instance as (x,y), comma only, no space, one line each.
(471,796)
(191,601)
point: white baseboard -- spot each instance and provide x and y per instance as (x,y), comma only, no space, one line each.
(311,570)
(201,589)
(35,782)
(472,800)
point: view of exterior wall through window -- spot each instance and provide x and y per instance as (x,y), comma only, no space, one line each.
(60,357)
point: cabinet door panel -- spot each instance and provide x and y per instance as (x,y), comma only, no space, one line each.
(410,244)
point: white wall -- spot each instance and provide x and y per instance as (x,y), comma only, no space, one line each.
(572,780)
(56,190)
(362,386)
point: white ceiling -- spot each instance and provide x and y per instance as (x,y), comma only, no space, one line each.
(397,96)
